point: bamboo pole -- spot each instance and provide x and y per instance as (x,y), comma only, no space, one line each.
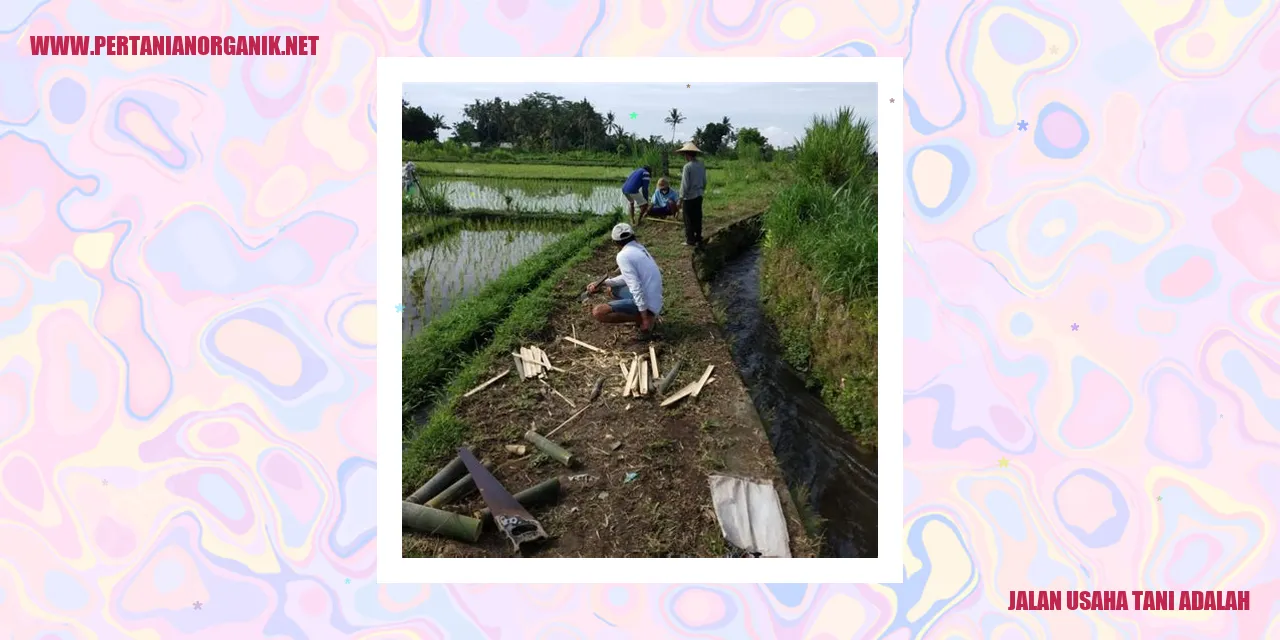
(465,485)
(447,475)
(555,451)
(440,522)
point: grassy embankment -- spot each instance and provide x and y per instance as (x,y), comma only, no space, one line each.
(440,349)
(821,231)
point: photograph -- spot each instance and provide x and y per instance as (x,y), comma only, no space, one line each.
(639,320)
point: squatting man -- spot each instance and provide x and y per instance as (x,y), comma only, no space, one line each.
(635,296)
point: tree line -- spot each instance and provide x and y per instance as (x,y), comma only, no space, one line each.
(542,121)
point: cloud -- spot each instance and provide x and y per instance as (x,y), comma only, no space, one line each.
(778,136)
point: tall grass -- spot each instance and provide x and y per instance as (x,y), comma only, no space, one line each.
(834,229)
(431,202)
(821,269)
(837,150)
(435,353)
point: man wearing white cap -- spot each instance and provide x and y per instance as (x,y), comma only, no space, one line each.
(636,295)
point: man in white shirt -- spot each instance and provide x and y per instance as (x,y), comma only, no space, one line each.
(636,295)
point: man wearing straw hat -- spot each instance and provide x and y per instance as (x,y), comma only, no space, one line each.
(693,183)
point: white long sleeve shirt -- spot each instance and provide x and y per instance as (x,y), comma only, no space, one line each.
(640,274)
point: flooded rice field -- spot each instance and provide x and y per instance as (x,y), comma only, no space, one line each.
(453,266)
(533,196)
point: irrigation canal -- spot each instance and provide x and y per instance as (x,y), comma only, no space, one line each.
(813,451)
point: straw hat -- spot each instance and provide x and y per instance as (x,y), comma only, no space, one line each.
(689,148)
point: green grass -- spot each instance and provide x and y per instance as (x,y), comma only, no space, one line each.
(434,353)
(443,432)
(820,269)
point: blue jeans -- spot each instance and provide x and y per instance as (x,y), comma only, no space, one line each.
(623,302)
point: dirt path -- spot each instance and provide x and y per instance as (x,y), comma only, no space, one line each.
(665,509)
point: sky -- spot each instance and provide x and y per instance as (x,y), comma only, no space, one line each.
(781,111)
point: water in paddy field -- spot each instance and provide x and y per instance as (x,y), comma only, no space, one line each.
(814,452)
(438,275)
(540,196)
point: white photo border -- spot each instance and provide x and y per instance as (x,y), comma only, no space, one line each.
(887,73)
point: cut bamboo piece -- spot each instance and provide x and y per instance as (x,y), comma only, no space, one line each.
(447,475)
(544,492)
(532,366)
(439,522)
(684,391)
(515,357)
(532,361)
(653,362)
(562,424)
(631,377)
(462,487)
(583,344)
(546,362)
(703,382)
(623,367)
(644,378)
(553,450)
(483,386)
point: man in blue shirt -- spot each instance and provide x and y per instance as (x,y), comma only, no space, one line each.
(636,190)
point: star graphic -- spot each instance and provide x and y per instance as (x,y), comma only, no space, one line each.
(104,482)
(1075,327)
(196,605)
(348,580)
(1022,125)
(687,86)
(400,308)
(1054,49)
(633,115)
(1003,462)
(1159,498)
(890,100)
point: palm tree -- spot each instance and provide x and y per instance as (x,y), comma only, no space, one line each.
(674,118)
(729,132)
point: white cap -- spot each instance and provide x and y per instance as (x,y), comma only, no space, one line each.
(622,231)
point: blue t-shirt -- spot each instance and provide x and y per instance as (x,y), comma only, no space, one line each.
(662,201)
(637,182)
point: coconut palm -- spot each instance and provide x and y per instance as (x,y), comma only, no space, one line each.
(674,118)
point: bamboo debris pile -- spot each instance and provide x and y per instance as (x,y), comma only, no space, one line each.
(432,509)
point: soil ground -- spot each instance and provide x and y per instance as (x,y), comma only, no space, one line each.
(665,509)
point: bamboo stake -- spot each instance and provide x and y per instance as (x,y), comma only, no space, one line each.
(631,378)
(491,381)
(553,390)
(624,378)
(701,383)
(644,378)
(653,361)
(562,424)
(583,344)
(684,391)
(537,362)
(515,357)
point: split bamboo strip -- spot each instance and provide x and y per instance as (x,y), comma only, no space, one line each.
(481,387)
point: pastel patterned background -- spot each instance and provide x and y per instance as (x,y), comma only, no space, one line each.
(186,318)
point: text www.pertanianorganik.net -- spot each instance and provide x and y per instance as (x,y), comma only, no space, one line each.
(174,45)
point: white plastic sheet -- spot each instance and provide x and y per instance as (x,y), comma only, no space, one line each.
(750,516)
